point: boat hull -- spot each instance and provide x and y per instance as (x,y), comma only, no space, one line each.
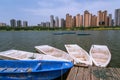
(100,55)
(80,56)
(18,70)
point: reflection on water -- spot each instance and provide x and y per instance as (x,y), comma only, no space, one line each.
(23,40)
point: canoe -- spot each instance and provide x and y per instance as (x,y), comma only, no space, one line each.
(100,55)
(24,55)
(80,56)
(49,50)
(32,69)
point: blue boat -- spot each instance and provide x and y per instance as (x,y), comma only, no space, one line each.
(32,69)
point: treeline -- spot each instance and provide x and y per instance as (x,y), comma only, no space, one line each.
(38,28)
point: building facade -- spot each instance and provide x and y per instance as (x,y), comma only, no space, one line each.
(110,19)
(56,22)
(87,19)
(19,23)
(13,23)
(117,17)
(68,21)
(94,21)
(102,19)
(52,21)
(2,24)
(62,23)
(25,24)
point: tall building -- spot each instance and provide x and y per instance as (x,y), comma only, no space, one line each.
(87,19)
(81,20)
(25,24)
(74,21)
(13,23)
(117,17)
(52,21)
(68,21)
(56,22)
(47,24)
(78,20)
(43,24)
(110,19)
(19,23)
(94,21)
(102,19)
(62,22)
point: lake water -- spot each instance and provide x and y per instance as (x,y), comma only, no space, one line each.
(26,40)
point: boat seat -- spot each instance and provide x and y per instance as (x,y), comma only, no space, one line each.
(38,67)
(100,55)
(101,60)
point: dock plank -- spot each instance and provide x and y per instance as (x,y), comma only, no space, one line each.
(87,74)
(79,75)
(72,74)
(94,73)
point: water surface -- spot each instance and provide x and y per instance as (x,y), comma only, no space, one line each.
(26,40)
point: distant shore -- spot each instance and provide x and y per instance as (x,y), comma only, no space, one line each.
(37,28)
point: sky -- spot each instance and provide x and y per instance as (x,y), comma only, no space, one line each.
(37,11)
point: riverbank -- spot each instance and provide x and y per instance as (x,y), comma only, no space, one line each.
(37,28)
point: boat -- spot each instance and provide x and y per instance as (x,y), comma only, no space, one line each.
(69,32)
(83,34)
(80,56)
(100,55)
(32,69)
(58,33)
(49,50)
(24,55)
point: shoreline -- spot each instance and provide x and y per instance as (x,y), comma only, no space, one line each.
(36,28)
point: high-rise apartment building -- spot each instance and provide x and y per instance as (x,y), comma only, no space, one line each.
(74,21)
(13,23)
(19,23)
(52,22)
(56,22)
(68,21)
(94,21)
(47,24)
(87,19)
(102,19)
(62,22)
(78,20)
(110,20)
(117,17)
(25,24)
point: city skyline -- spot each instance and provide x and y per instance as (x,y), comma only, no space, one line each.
(36,11)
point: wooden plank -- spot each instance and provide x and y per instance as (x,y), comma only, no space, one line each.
(94,73)
(79,75)
(72,74)
(87,74)
(115,74)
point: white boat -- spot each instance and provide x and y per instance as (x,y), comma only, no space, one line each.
(80,56)
(24,55)
(49,50)
(100,55)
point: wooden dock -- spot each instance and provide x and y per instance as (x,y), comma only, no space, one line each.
(92,73)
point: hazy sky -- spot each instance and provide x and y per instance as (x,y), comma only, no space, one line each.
(35,11)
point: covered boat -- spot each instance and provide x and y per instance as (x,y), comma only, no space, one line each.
(80,56)
(32,69)
(100,55)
